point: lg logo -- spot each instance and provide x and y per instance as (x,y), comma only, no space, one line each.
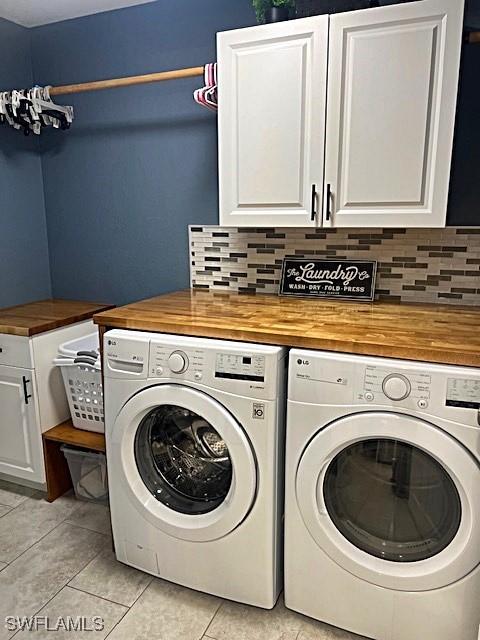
(304,363)
(112,343)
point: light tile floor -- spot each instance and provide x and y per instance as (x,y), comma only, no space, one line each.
(57,560)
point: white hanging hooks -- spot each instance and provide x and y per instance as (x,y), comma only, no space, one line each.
(33,109)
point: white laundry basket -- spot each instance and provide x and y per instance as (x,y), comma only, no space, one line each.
(88,343)
(82,377)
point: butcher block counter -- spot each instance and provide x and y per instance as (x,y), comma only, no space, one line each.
(45,315)
(432,333)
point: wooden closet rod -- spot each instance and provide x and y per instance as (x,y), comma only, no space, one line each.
(129,81)
(472,37)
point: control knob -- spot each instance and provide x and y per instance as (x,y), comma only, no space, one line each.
(178,362)
(396,387)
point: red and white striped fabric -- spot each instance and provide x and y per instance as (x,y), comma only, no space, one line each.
(207,95)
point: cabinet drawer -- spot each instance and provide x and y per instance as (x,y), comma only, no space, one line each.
(15,351)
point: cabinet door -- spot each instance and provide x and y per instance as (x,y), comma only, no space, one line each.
(20,438)
(393,80)
(272,88)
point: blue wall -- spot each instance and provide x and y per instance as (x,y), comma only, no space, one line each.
(139,164)
(24,268)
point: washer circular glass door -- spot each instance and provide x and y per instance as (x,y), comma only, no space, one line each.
(391,499)
(185,462)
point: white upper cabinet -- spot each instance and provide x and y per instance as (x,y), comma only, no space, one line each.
(272,87)
(392,93)
(371,150)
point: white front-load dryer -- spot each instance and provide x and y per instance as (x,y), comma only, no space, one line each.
(195,439)
(382,511)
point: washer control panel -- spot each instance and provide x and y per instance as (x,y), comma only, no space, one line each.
(239,371)
(234,366)
(165,360)
(246,370)
(463,393)
(380,383)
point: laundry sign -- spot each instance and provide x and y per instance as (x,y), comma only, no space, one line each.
(345,279)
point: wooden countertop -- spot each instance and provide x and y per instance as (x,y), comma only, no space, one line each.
(432,333)
(45,315)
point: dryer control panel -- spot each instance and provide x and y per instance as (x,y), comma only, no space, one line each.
(463,392)
(334,379)
(379,382)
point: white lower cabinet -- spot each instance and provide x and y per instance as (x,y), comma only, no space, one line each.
(344,120)
(20,439)
(32,399)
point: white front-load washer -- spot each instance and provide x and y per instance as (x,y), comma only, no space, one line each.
(382,511)
(195,440)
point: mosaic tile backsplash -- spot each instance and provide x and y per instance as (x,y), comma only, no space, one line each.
(414,265)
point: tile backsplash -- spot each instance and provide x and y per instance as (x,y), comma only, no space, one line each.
(414,265)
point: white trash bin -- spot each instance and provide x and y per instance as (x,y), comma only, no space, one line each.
(88,470)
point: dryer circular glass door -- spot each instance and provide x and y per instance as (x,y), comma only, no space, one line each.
(391,499)
(186,462)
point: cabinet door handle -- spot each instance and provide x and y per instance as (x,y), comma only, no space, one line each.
(25,389)
(313,211)
(328,214)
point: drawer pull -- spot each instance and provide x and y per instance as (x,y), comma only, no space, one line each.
(25,389)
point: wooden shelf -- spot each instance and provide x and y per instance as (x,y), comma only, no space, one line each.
(66,433)
(56,466)
(46,315)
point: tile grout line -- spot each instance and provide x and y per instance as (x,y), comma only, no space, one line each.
(129,608)
(64,585)
(119,621)
(102,597)
(83,502)
(64,521)
(213,617)
(102,533)
(25,498)
(94,595)
(36,542)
